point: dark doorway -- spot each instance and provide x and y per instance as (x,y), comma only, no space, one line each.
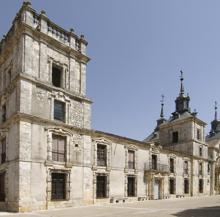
(101,186)
(58,186)
(186,186)
(131,186)
(172,186)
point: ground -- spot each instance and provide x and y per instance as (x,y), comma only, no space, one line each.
(186,207)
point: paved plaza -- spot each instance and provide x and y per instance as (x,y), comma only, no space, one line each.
(186,207)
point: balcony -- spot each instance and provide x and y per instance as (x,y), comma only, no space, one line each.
(156,168)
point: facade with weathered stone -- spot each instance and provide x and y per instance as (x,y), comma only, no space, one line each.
(50,157)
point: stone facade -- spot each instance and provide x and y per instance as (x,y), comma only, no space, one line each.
(96,167)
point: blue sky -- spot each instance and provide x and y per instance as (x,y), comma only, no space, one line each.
(137,48)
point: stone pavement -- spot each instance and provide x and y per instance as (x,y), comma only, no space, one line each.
(186,207)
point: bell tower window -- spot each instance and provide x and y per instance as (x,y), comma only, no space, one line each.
(175,137)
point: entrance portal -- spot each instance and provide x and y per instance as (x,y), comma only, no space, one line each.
(156,189)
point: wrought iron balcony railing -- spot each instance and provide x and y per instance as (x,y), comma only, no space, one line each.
(160,168)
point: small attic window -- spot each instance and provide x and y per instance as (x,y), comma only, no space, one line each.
(175,137)
(56,76)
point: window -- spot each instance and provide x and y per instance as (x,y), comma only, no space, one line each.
(200,151)
(58,186)
(56,76)
(200,185)
(186,186)
(198,134)
(2,187)
(3,150)
(101,155)
(175,137)
(3,113)
(101,186)
(185,167)
(172,186)
(208,168)
(200,169)
(131,159)
(154,162)
(9,76)
(131,186)
(171,165)
(59,110)
(58,148)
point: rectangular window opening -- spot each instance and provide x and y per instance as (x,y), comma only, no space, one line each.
(171,165)
(101,155)
(59,110)
(186,167)
(56,76)
(200,169)
(198,134)
(58,148)
(175,137)
(154,161)
(3,113)
(200,151)
(3,150)
(131,159)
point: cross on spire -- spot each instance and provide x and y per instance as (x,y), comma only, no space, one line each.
(216,107)
(162,104)
(181,81)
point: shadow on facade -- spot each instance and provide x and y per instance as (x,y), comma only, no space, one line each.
(200,212)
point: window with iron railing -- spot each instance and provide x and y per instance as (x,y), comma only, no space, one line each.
(208,168)
(58,148)
(198,134)
(154,162)
(171,165)
(101,155)
(200,169)
(101,186)
(58,191)
(131,159)
(185,168)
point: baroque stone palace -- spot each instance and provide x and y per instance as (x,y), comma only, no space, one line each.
(50,157)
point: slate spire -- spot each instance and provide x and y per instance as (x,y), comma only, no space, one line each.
(182,101)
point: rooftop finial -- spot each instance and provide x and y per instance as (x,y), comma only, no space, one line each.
(162,104)
(181,80)
(216,107)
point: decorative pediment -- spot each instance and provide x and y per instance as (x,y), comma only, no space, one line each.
(59,130)
(131,147)
(154,149)
(171,155)
(101,140)
(3,133)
